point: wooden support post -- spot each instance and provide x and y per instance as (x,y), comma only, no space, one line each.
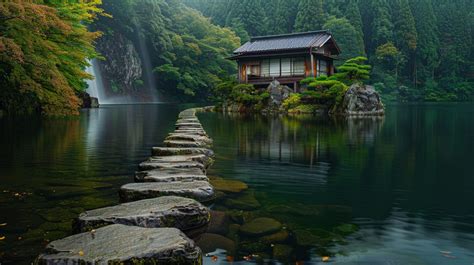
(312,64)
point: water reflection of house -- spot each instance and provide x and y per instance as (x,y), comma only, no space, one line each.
(289,58)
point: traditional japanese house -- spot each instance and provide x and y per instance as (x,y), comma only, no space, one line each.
(288,58)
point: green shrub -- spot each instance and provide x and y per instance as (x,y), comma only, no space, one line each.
(292,101)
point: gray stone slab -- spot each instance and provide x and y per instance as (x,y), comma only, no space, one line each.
(191,132)
(201,191)
(169,211)
(171,151)
(200,158)
(170,175)
(189,137)
(121,244)
(151,164)
(180,143)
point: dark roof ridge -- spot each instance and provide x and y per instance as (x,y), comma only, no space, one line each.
(289,35)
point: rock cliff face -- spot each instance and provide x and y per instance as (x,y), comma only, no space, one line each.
(122,67)
(361,100)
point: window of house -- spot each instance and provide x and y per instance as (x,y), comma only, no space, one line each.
(274,67)
(253,70)
(322,68)
(298,66)
(286,67)
(265,68)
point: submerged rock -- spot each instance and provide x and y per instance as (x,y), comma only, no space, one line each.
(277,237)
(201,191)
(260,226)
(169,211)
(246,201)
(227,185)
(170,151)
(211,242)
(219,223)
(170,175)
(121,244)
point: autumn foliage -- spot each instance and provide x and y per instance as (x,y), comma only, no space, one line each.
(43,50)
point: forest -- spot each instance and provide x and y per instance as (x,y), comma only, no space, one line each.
(419,50)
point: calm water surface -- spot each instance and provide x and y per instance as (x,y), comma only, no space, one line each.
(397,190)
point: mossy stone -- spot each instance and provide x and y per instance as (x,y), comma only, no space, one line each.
(277,237)
(210,242)
(260,226)
(227,185)
(246,201)
(315,237)
(346,229)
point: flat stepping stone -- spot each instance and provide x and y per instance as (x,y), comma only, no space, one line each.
(170,175)
(203,159)
(191,131)
(169,211)
(189,137)
(201,191)
(189,144)
(151,164)
(121,244)
(172,151)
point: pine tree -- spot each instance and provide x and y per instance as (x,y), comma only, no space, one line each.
(310,16)
(283,19)
(352,14)
(426,54)
(405,35)
(346,36)
(382,27)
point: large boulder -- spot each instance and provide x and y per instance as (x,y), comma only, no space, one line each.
(121,244)
(169,211)
(278,93)
(361,100)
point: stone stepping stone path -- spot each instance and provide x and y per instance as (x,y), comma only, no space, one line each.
(182,213)
(171,151)
(170,175)
(122,244)
(163,202)
(201,191)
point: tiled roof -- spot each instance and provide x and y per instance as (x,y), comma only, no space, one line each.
(285,42)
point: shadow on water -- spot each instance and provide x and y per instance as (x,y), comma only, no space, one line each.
(394,190)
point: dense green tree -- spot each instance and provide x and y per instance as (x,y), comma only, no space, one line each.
(346,36)
(283,19)
(352,14)
(426,58)
(310,16)
(405,35)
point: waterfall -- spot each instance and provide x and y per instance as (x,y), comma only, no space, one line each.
(147,68)
(95,87)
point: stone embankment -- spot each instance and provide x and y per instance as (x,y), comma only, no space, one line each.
(157,211)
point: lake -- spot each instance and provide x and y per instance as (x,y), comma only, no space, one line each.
(392,190)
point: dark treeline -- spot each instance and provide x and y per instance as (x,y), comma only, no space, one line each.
(419,49)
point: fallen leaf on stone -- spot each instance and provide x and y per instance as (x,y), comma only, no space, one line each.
(2,237)
(81,253)
(325,259)
(214,258)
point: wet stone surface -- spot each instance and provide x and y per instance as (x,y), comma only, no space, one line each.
(121,244)
(199,190)
(169,211)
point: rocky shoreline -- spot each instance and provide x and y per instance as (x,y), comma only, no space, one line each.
(158,210)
